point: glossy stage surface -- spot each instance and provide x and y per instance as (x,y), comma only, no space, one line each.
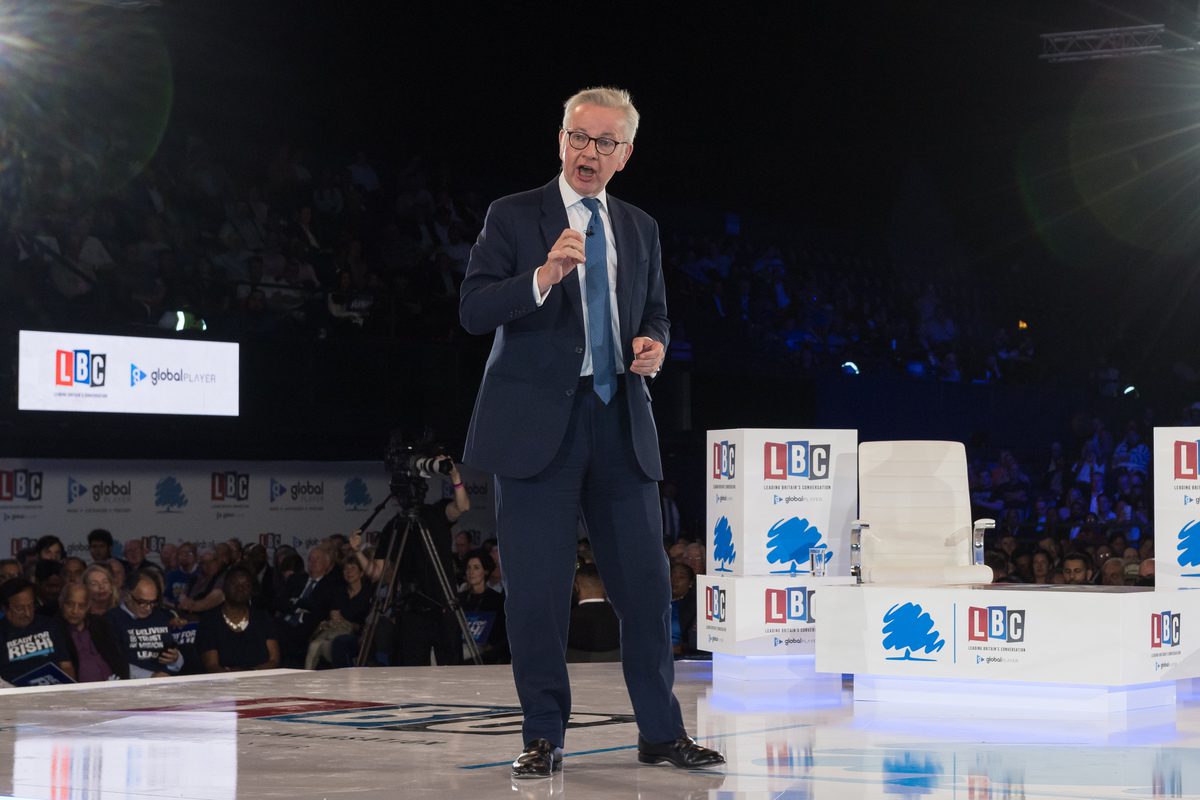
(450,733)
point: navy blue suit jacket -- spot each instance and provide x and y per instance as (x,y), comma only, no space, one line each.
(531,376)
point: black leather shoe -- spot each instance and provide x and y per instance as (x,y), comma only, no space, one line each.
(683,753)
(539,759)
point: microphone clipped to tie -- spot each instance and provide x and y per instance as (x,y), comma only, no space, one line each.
(589,230)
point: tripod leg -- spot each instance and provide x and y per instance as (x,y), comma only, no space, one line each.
(448,592)
(381,605)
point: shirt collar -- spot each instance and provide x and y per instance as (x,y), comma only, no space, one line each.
(570,197)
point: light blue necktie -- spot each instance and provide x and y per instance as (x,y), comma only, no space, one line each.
(604,373)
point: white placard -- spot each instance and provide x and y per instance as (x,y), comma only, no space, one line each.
(758,615)
(126,374)
(774,494)
(1096,635)
(1176,508)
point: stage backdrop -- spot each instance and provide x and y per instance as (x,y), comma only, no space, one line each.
(274,502)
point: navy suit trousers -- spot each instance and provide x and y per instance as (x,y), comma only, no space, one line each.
(596,473)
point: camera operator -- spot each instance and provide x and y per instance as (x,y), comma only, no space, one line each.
(423,621)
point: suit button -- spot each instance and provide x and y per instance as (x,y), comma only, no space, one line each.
(570,392)
(578,349)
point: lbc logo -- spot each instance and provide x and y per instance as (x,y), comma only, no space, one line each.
(995,622)
(79,368)
(724,460)
(20,484)
(1165,629)
(714,604)
(230,486)
(793,604)
(1187,461)
(783,460)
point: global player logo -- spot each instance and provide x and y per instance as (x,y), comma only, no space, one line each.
(715,608)
(102,492)
(724,461)
(910,628)
(793,604)
(998,623)
(801,460)
(1165,629)
(79,368)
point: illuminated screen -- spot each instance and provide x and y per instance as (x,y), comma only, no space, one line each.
(126,374)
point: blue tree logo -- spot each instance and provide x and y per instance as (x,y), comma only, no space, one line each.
(723,549)
(788,542)
(1189,547)
(911,775)
(168,494)
(908,628)
(356,494)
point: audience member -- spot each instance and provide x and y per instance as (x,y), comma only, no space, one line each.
(595,631)
(29,641)
(90,642)
(237,636)
(142,627)
(484,610)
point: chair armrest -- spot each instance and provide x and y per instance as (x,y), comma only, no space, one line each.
(981,525)
(856,529)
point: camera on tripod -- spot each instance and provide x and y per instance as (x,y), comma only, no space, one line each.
(410,463)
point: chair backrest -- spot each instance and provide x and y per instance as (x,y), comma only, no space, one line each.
(916,500)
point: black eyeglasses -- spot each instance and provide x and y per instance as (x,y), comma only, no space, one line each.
(604,145)
(143,603)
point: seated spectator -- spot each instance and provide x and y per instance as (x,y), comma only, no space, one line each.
(181,578)
(90,641)
(136,561)
(256,559)
(350,610)
(237,636)
(683,609)
(100,543)
(99,583)
(142,627)
(206,592)
(309,601)
(1112,572)
(29,640)
(50,548)
(73,568)
(484,610)
(595,631)
(9,568)
(48,583)
(118,569)
(694,557)
(1077,569)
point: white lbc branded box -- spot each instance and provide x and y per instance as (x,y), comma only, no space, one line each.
(758,616)
(776,494)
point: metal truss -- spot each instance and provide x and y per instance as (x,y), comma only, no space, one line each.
(1103,43)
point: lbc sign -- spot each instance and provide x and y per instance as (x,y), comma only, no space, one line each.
(1164,629)
(793,604)
(784,460)
(724,461)
(995,623)
(714,604)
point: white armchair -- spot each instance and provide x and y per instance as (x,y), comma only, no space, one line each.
(914,524)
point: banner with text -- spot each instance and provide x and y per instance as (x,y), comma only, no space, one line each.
(297,503)
(1177,508)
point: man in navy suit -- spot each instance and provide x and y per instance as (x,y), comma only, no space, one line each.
(569,279)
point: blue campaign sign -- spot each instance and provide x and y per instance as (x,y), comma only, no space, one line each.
(185,635)
(480,624)
(45,675)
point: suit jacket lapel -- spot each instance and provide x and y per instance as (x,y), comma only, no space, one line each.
(626,266)
(554,221)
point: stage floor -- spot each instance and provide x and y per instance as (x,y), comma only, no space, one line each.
(451,732)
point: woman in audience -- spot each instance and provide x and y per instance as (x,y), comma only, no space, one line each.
(101,595)
(484,609)
(233,636)
(50,548)
(90,641)
(351,605)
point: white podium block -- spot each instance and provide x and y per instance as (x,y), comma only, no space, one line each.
(1176,508)
(775,494)
(771,615)
(1083,636)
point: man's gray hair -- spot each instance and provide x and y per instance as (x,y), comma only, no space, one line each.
(606,97)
